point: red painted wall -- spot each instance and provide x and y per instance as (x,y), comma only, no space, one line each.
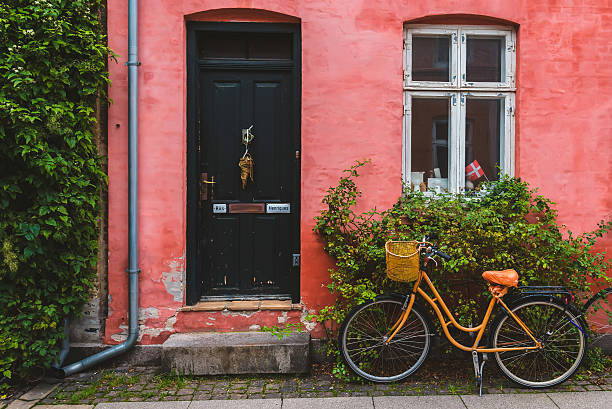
(351,109)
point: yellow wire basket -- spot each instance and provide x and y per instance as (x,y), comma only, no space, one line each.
(402,260)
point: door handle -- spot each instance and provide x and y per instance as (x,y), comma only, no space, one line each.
(204,182)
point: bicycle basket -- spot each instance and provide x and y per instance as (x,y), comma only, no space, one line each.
(402,260)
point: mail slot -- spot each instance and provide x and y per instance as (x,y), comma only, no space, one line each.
(247,208)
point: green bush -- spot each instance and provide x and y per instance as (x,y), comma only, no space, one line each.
(53,69)
(508,227)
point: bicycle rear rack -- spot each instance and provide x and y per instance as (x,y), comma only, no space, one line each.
(557,290)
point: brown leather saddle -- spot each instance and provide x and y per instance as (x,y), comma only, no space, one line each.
(499,281)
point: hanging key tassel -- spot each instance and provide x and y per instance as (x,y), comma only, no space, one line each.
(246,164)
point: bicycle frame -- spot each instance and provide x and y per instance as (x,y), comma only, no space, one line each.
(445,324)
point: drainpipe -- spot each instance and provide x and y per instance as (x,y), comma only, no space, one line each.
(132,203)
(65,345)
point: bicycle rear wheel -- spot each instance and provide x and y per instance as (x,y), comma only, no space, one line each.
(364,332)
(556,325)
(598,314)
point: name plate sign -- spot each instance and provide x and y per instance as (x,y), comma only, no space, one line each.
(278,208)
(219,208)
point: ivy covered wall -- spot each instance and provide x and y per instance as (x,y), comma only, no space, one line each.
(53,58)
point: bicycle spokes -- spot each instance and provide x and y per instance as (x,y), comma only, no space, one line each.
(561,344)
(365,347)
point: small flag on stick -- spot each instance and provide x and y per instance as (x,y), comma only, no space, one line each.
(473,171)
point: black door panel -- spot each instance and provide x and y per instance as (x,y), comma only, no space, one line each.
(248,252)
(244,247)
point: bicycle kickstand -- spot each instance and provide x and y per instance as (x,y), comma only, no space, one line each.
(478,369)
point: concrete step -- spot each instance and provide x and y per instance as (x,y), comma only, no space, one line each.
(221,353)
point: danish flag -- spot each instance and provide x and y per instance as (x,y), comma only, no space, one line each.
(473,171)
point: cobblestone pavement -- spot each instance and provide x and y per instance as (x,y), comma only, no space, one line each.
(150,384)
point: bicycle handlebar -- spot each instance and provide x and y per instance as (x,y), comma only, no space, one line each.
(432,250)
(442,254)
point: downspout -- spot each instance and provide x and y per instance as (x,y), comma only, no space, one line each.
(132,204)
(65,345)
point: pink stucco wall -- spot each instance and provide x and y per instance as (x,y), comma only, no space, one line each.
(351,109)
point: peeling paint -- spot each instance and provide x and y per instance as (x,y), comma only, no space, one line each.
(157,331)
(122,336)
(173,280)
(255,327)
(246,314)
(308,324)
(147,313)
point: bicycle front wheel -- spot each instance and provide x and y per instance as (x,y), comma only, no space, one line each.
(364,332)
(556,325)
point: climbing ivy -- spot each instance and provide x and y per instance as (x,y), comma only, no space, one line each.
(510,226)
(52,69)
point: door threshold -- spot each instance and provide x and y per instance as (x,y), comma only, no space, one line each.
(277,297)
(243,305)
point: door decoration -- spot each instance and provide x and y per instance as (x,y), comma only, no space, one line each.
(246,163)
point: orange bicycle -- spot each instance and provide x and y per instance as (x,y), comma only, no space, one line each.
(538,338)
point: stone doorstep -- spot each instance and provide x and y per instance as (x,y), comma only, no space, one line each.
(247,305)
(217,353)
(150,355)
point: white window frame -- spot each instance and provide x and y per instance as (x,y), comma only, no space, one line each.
(457,91)
(432,31)
(508,57)
(506,142)
(453,123)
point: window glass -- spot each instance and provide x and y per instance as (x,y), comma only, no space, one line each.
(264,46)
(429,150)
(222,45)
(484,59)
(459,105)
(482,140)
(271,46)
(430,58)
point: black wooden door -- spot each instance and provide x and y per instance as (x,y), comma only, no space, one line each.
(247,234)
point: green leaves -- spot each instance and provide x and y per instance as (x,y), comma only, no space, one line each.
(509,227)
(52,57)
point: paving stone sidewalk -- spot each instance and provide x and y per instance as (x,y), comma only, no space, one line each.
(152,385)
(556,400)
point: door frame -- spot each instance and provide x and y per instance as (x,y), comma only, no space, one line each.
(194,276)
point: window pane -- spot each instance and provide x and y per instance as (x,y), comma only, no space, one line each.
(429,150)
(430,58)
(482,139)
(267,46)
(222,45)
(484,59)
(272,46)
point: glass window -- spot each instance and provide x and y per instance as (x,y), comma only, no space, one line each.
(484,59)
(429,146)
(482,138)
(458,133)
(431,58)
(262,46)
